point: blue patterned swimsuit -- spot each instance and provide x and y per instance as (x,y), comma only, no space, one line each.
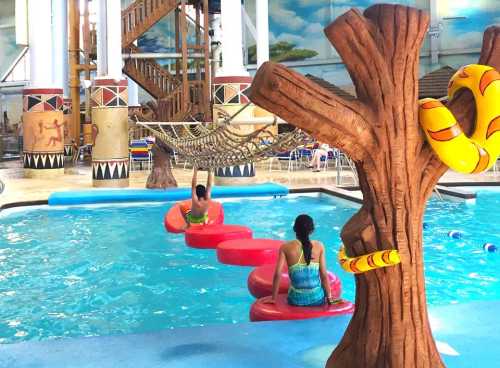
(305,284)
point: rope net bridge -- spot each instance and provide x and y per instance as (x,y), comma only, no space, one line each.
(219,144)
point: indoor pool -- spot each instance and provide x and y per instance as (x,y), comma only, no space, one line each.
(101,270)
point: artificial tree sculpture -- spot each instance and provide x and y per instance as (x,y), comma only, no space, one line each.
(161,175)
(397,171)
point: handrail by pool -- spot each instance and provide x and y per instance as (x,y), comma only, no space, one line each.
(161,195)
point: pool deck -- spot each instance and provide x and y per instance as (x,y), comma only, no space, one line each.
(20,189)
(467,335)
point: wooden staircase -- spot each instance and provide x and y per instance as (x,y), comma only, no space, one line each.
(141,15)
(150,75)
(178,98)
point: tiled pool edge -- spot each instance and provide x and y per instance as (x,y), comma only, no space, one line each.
(353,196)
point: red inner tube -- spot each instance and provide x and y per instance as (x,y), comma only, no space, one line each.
(281,310)
(209,236)
(174,220)
(249,252)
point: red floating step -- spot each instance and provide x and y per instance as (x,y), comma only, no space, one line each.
(210,236)
(249,252)
(260,282)
(281,310)
(174,220)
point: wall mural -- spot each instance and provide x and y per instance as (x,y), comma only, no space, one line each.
(463,22)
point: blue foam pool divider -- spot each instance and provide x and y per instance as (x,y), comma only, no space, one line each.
(161,195)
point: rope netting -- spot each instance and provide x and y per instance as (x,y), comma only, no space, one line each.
(220,144)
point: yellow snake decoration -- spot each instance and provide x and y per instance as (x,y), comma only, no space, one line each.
(459,152)
(367,262)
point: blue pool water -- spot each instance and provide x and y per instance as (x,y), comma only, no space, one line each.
(104,270)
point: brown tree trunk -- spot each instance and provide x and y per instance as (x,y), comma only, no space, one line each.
(396,167)
(161,175)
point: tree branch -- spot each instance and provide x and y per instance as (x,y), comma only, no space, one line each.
(314,109)
(375,49)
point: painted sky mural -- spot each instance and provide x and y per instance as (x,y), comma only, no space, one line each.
(300,24)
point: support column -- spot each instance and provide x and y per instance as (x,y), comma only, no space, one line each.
(110,161)
(60,44)
(232,43)
(230,87)
(43,131)
(133,93)
(133,97)
(262,31)
(216,43)
(185,82)
(110,157)
(74,60)
(60,66)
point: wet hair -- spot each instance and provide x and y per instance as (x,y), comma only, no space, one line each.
(303,227)
(201,191)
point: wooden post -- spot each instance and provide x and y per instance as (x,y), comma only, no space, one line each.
(74,60)
(197,62)
(86,52)
(177,43)
(206,49)
(198,41)
(185,82)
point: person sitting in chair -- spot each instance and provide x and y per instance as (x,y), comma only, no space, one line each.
(319,153)
(200,201)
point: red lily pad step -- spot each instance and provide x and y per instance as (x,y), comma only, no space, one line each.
(249,252)
(209,236)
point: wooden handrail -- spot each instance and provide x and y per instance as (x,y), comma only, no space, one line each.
(170,107)
(150,75)
(141,15)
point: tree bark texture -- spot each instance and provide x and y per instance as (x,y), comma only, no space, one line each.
(161,175)
(397,171)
